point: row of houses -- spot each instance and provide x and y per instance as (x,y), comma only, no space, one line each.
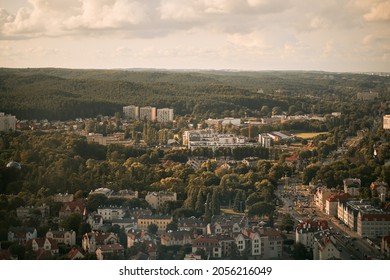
(317,237)
(358,215)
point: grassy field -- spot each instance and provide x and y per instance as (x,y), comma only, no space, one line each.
(309,135)
(231,212)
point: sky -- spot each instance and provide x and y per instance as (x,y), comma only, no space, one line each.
(331,35)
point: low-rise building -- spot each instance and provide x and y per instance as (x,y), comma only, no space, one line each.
(62,236)
(209,244)
(156,199)
(21,234)
(306,230)
(160,220)
(179,238)
(325,247)
(110,252)
(331,203)
(111,212)
(92,240)
(380,189)
(352,186)
(75,207)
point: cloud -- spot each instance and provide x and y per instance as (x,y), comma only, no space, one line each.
(131,17)
(379,12)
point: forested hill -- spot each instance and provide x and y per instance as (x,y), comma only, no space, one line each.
(50,93)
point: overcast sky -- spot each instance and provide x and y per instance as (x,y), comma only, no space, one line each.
(330,35)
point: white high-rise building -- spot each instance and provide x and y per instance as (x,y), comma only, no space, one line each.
(148,113)
(131,112)
(164,115)
(7,122)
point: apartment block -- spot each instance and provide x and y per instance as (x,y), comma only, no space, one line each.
(164,115)
(147,113)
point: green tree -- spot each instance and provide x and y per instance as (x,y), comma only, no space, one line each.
(152,229)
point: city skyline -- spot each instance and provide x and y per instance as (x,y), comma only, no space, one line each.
(336,36)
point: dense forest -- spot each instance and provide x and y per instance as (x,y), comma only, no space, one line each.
(62,94)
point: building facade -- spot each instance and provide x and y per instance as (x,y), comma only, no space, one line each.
(165,115)
(7,122)
(131,112)
(147,113)
(156,199)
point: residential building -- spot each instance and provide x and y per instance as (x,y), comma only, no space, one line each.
(192,224)
(325,247)
(352,186)
(92,240)
(161,221)
(305,231)
(380,189)
(174,238)
(111,212)
(331,203)
(75,254)
(137,236)
(95,221)
(271,243)
(62,236)
(110,252)
(7,122)
(156,199)
(43,247)
(24,213)
(77,206)
(321,194)
(373,223)
(164,115)
(21,234)
(209,244)
(131,112)
(147,113)
(386,122)
(265,140)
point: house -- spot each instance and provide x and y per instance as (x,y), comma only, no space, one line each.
(21,234)
(250,161)
(63,236)
(305,231)
(93,239)
(95,221)
(110,252)
(43,247)
(111,212)
(156,199)
(137,236)
(352,186)
(380,189)
(77,206)
(179,238)
(324,247)
(75,254)
(209,244)
(192,224)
